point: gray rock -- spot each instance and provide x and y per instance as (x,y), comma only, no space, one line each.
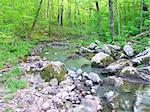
(93,91)
(54,70)
(113,81)
(69,88)
(145,52)
(118,65)
(130,72)
(79,71)
(92,46)
(53,82)
(85,50)
(93,104)
(52,110)
(101,59)
(115,47)
(82,108)
(110,96)
(72,74)
(106,49)
(142,59)
(146,70)
(142,103)
(88,83)
(95,87)
(47,104)
(128,50)
(94,77)
(145,73)
(97,42)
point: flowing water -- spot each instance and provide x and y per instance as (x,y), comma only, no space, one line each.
(132,97)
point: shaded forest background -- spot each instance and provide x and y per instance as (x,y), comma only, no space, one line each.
(74,16)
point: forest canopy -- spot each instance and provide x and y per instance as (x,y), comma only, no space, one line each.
(81,16)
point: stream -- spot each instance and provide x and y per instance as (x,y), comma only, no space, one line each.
(132,97)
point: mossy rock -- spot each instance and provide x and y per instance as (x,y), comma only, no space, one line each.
(118,65)
(102,60)
(130,72)
(54,70)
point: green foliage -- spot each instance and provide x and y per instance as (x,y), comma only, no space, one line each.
(17,17)
(8,110)
(143,42)
(15,84)
(12,81)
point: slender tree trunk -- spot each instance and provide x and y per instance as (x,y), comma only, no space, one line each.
(58,13)
(141,19)
(111,19)
(35,20)
(69,13)
(124,8)
(118,17)
(75,14)
(97,6)
(98,18)
(50,19)
(48,6)
(62,12)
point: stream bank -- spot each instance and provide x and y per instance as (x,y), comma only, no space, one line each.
(119,95)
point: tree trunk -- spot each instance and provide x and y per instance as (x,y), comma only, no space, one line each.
(69,13)
(75,14)
(48,6)
(35,20)
(141,18)
(111,19)
(58,13)
(118,17)
(97,6)
(98,18)
(62,12)
(50,19)
(124,7)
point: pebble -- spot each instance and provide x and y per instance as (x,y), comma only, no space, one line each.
(53,82)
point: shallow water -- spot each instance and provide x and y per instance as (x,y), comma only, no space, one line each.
(132,97)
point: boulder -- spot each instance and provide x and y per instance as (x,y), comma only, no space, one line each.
(92,46)
(106,49)
(130,72)
(142,103)
(118,65)
(54,70)
(110,95)
(113,81)
(113,51)
(128,49)
(82,108)
(142,58)
(101,60)
(85,50)
(143,53)
(145,73)
(94,77)
(115,47)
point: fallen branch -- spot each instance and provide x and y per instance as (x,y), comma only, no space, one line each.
(143,33)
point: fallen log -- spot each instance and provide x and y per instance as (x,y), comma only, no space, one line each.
(143,34)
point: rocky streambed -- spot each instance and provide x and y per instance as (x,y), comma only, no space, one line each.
(91,78)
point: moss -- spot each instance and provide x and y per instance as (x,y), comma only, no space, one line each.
(106,61)
(49,73)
